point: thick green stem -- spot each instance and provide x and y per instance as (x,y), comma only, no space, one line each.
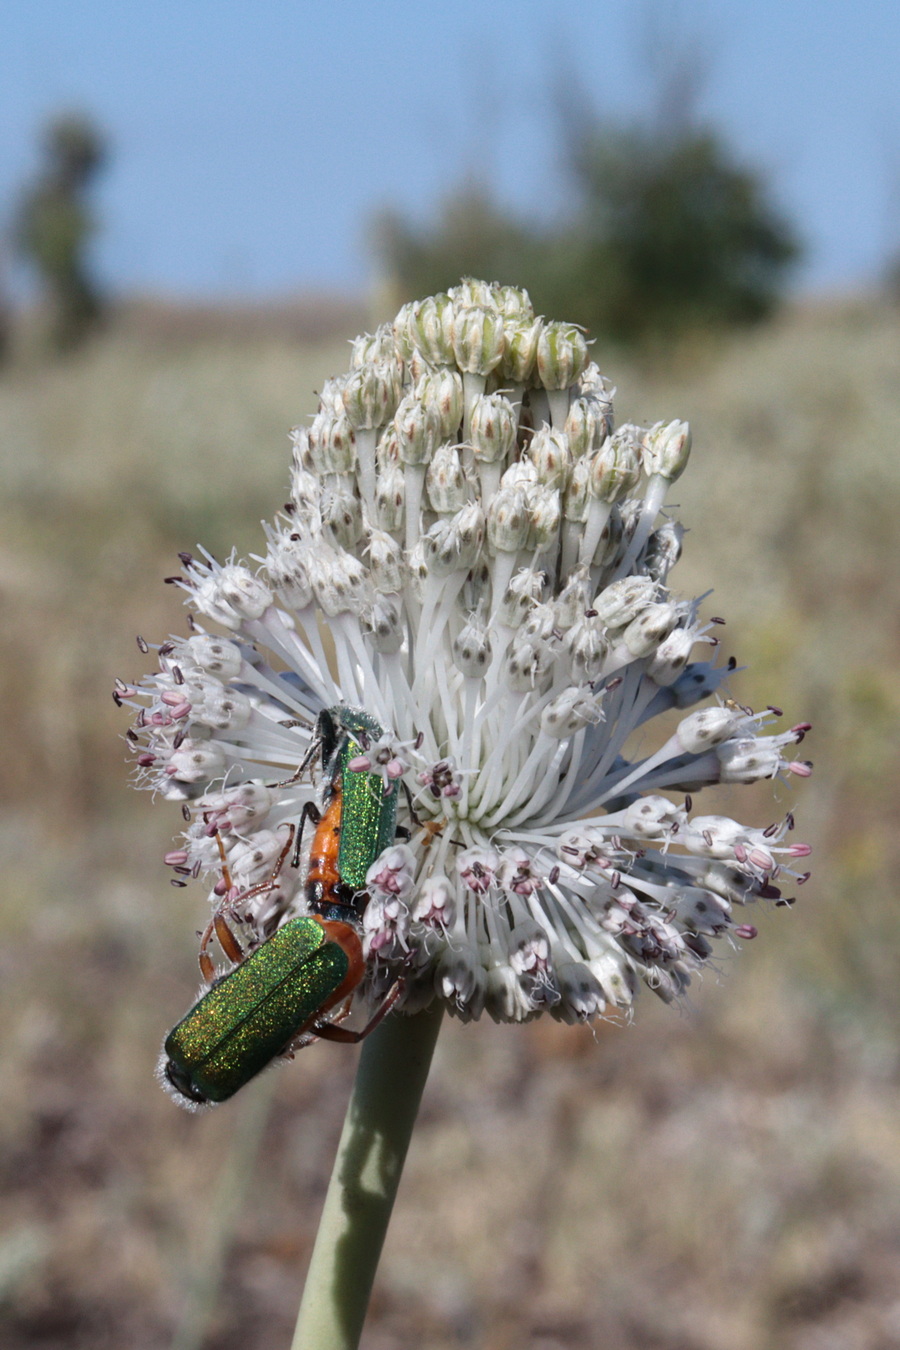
(390,1079)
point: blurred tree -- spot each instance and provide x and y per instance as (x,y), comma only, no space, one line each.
(55,225)
(472,236)
(672,234)
(666,234)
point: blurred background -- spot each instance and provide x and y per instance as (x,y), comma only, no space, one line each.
(199,207)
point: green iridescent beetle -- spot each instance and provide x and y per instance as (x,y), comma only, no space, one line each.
(289,986)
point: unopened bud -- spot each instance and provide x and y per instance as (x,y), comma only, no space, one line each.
(615,467)
(445,481)
(667,448)
(493,426)
(562,355)
(550,454)
(443,390)
(430,328)
(479,340)
(371,394)
(418,428)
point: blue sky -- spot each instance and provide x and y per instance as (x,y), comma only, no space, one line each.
(253,143)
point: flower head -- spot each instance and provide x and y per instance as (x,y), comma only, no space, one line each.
(477,557)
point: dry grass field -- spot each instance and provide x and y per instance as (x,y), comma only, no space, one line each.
(726,1173)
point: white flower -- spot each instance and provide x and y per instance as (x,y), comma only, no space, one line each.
(476,558)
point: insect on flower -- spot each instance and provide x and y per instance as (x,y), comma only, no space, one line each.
(286,991)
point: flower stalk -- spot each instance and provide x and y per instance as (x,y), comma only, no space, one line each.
(390,1079)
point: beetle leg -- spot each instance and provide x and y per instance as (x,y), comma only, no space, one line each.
(227,941)
(327,1031)
(304,763)
(310,812)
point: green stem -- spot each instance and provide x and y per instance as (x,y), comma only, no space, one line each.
(390,1079)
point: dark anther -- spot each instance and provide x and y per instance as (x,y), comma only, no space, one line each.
(779,712)
(187,559)
(175,881)
(167,649)
(116,699)
(173,581)
(732,663)
(185,811)
(142,646)
(177,675)
(715,619)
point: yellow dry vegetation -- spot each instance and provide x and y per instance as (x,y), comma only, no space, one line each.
(727,1174)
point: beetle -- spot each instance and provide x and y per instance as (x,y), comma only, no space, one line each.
(287,990)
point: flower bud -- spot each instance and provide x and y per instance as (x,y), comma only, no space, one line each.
(546,513)
(663,550)
(196,762)
(513,302)
(231,595)
(339,581)
(653,817)
(478,340)
(520,354)
(493,427)
(588,648)
(375,347)
(550,454)
(528,667)
(384,623)
(443,389)
(332,443)
(707,728)
(508,520)
(341,512)
(385,562)
(588,423)
(672,655)
(445,481)
(570,711)
(220,709)
(471,292)
(390,496)
(615,467)
(577,492)
(371,394)
(520,596)
(453,544)
(562,355)
(622,601)
(215,654)
(667,448)
(572,600)
(644,634)
(287,566)
(472,648)
(430,329)
(418,428)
